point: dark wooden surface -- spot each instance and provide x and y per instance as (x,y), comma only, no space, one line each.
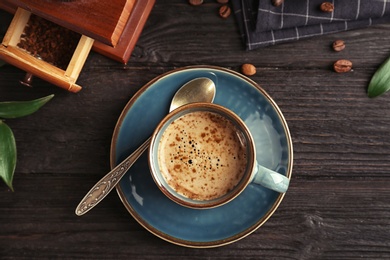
(338,205)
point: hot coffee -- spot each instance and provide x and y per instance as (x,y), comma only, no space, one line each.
(201,155)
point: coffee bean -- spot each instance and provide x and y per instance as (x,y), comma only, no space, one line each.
(223,1)
(195,2)
(248,69)
(327,7)
(341,66)
(224,11)
(277,2)
(48,41)
(338,45)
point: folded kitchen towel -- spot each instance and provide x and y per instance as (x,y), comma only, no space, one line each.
(262,24)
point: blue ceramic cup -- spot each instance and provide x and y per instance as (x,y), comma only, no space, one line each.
(202,155)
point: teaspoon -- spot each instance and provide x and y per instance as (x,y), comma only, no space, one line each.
(196,90)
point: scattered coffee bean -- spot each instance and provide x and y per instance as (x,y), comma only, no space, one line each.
(195,2)
(327,7)
(223,1)
(224,11)
(341,66)
(338,45)
(277,2)
(248,69)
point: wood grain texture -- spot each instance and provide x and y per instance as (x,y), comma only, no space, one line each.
(129,32)
(101,20)
(338,204)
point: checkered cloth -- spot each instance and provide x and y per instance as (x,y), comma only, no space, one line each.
(262,24)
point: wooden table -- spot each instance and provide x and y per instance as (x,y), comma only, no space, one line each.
(338,205)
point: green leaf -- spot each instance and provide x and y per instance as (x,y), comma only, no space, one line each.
(14,109)
(380,82)
(7,154)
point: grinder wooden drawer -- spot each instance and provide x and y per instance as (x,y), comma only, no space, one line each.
(64,76)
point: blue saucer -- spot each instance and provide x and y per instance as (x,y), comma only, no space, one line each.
(211,227)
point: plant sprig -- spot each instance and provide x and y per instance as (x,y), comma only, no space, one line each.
(380,82)
(8,152)
(16,109)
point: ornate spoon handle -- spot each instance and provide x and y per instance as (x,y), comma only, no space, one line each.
(100,190)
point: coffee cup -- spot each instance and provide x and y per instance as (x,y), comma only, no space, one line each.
(202,155)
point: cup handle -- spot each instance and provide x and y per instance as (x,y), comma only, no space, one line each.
(271,179)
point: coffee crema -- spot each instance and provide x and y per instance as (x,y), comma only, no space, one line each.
(201,155)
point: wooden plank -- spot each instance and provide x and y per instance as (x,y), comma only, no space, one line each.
(79,57)
(16,28)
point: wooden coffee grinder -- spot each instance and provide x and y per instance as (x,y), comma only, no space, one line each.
(51,39)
